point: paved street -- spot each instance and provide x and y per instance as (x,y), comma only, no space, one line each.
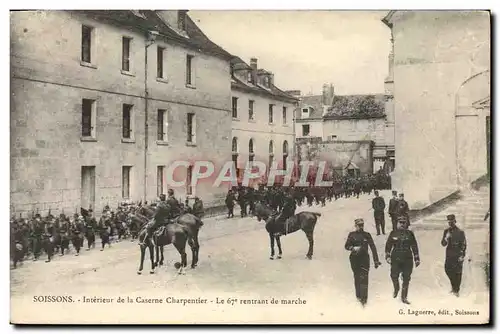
(234,264)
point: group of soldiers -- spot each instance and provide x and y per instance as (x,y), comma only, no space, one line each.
(36,235)
(401,249)
(276,195)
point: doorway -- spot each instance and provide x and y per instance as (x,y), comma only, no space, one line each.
(87,194)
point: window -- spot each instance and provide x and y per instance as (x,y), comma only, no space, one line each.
(305,130)
(271,154)
(234,145)
(250,150)
(86,44)
(162,125)
(189,179)
(285,154)
(333,137)
(159,180)
(305,112)
(191,128)
(284,115)
(88,118)
(159,62)
(271,114)
(250,109)
(126,53)
(235,107)
(189,70)
(127,123)
(181,20)
(249,77)
(126,182)
(266,81)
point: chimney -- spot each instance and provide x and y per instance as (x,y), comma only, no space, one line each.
(271,79)
(253,65)
(328,93)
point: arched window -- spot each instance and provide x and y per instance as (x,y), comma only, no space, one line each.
(234,146)
(251,152)
(271,148)
(285,154)
(285,148)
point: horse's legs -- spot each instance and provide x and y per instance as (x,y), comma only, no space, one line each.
(193,252)
(278,242)
(180,245)
(271,239)
(196,250)
(152,257)
(310,238)
(162,259)
(141,264)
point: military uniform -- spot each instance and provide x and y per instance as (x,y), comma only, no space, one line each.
(378,205)
(360,260)
(198,208)
(456,246)
(393,205)
(288,211)
(230,204)
(401,249)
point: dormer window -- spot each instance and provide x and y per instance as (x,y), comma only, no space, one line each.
(305,112)
(249,77)
(181,20)
(266,81)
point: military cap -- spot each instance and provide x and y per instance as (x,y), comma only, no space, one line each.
(359,221)
(450,217)
(394,192)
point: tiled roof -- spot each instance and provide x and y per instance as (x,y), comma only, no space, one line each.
(356,107)
(145,20)
(274,91)
(314,101)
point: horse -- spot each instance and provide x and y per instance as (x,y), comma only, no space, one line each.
(148,239)
(305,221)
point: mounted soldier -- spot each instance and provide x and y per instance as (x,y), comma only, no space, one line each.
(198,209)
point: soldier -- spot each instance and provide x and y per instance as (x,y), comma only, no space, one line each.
(37,231)
(402,210)
(287,211)
(242,201)
(230,203)
(393,204)
(456,245)
(173,204)
(401,249)
(198,210)
(357,243)
(378,205)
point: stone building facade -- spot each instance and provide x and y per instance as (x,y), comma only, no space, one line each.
(102,102)
(262,118)
(441,74)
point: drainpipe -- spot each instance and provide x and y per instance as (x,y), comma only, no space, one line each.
(150,40)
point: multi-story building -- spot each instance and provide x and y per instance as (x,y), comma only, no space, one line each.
(262,114)
(441,78)
(102,103)
(347,122)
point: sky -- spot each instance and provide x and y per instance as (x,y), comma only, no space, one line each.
(305,49)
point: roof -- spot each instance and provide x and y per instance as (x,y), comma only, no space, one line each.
(357,107)
(239,64)
(314,101)
(146,20)
(259,89)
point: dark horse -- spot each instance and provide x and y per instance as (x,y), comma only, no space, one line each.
(305,221)
(154,236)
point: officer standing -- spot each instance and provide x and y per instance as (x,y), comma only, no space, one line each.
(378,205)
(357,243)
(403,209)
(456,245)
(393,205)
(401,249)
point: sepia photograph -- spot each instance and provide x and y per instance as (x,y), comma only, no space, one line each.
(250,167)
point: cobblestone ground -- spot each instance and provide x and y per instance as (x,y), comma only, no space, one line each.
(234,267)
